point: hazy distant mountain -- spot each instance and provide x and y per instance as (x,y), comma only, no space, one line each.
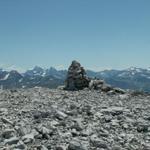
(132,78)
(37,76)
(36,71)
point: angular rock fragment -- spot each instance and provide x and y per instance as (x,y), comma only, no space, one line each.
(20,145)
(5,120)
(98,143)
(3,111)
(106,88)
(44,131)
(78,124)
(60,147)
(8,133)
(28,138)
(142,128)
(96,84)
(42,147)
(75,145)
(118,90)
(41,114)
(60,115)
(13,140)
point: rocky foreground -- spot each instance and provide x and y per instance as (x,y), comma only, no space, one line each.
(44,119)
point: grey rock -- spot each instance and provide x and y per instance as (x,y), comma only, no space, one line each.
(28,138)
(106,88)
(60,115)
(42,147)
(116,148)
(98,143)
(5,120)
(11,141)
(44,131)
(143,128)
(21,130)
(60,147)
(114,110)
(78,124)
(8,133)
(75,145)
(20,145)
(3,111)
(120,91)
(96,84)
(41,114)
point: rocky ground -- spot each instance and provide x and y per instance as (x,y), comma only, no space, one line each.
(44,119)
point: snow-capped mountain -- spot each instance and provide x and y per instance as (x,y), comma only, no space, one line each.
(131,78)
(34,77)
(38,71)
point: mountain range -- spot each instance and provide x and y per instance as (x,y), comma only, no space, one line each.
(131,78)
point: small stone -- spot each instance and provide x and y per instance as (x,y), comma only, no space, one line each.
(106,88)
(75,145)
(60,147)
(74,132)
(60,115)
(13,140)
(116,148)
(96,84)
(97,142)
(125,126)
(119,90)
(142,128)
(44,130)
(54,123)
(20,145)
(41,114)
(115,123)
(8,133)
(7,121)
(28,138)
(3,111)
(21,130)
(107,118)
(42,147)
(78,125)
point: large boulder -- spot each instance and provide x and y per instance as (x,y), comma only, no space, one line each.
(76,77)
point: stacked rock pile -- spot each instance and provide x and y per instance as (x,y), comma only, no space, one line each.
(78,80)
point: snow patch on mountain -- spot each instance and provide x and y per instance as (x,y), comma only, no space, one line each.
(5,78)
(20,80)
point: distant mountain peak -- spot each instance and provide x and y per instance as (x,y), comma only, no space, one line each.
(37,68)
(52,68)
(131,78)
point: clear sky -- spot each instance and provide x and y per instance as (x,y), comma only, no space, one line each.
(100,34)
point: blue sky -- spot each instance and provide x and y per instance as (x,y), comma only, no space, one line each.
(101,34)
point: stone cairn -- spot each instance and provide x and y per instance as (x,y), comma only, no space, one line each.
(76,77)
(78,80)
